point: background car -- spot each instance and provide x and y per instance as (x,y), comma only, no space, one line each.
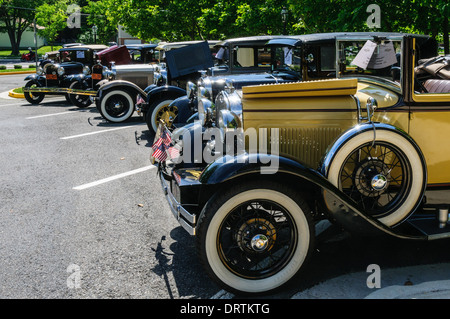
(117,96)
(56,78)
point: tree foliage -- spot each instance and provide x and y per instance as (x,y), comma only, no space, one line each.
(15,19)
(53,19)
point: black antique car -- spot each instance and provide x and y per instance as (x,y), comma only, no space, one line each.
(143,53)
(245,55)
(361,150)
(56,78)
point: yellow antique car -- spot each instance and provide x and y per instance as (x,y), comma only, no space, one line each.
(363,150)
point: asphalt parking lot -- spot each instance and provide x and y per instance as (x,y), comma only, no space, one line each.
(83,215)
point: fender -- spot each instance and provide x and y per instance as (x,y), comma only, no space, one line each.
(160,90)
(119,85)
(339,206)
(353,132)
(38,79)
(76,77)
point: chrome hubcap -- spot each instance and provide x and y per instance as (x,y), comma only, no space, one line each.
(259,242)
(379,182)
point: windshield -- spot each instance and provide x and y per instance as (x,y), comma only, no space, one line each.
(287,59)
(371,58)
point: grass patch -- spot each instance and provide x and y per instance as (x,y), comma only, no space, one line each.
(18,90)
(6,54)
(21,70)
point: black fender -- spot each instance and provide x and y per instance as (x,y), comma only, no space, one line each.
(38,79)
(120,85)
(77,77)
(226,171)
(159,91)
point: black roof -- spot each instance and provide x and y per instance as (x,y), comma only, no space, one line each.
(294,40)
(85,47)
(141,46)
(250,40)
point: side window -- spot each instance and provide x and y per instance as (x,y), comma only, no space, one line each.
(245,57)
(252,57)
(432,76)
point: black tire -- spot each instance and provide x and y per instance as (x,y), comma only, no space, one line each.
(117,105)
(386,178)
(33,98)
(161,108)
(79,100)
(255,237)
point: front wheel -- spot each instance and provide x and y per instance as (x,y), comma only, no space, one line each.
(161,109)
(117,105)
(385,177)
(255,238)
(33,98)
(79,100)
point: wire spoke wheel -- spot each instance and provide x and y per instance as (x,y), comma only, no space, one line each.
(377,177)
(257,239)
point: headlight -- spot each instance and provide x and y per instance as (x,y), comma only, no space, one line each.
(228,109)
(226,120)
(86,70)
(60,71)
(204,88)
(190,88)
(204,109)
(39,70)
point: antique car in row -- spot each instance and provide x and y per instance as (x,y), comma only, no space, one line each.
(117,95)
(246,56)
(292,58)
(362,150)
(56,78)
(115,62)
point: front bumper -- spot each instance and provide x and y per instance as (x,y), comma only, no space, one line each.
(181,189)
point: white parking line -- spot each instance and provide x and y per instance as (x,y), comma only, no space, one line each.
(47,115)
(112,178)
(96,132)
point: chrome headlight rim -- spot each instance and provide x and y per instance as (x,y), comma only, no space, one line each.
(60,70)
(39,70)
(190,89)
(204,109)
(228,121)
(86,70)
(228,109)
(204,88)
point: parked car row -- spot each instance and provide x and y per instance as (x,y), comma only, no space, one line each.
(258,139)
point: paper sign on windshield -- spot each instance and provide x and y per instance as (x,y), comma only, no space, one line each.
(373,56)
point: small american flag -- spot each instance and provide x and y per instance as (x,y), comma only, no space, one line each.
(166,138)
(139,100)
(159,151)
(173,152)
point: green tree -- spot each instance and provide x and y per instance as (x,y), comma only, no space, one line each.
(101,15)
(53,18)
(16,16)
